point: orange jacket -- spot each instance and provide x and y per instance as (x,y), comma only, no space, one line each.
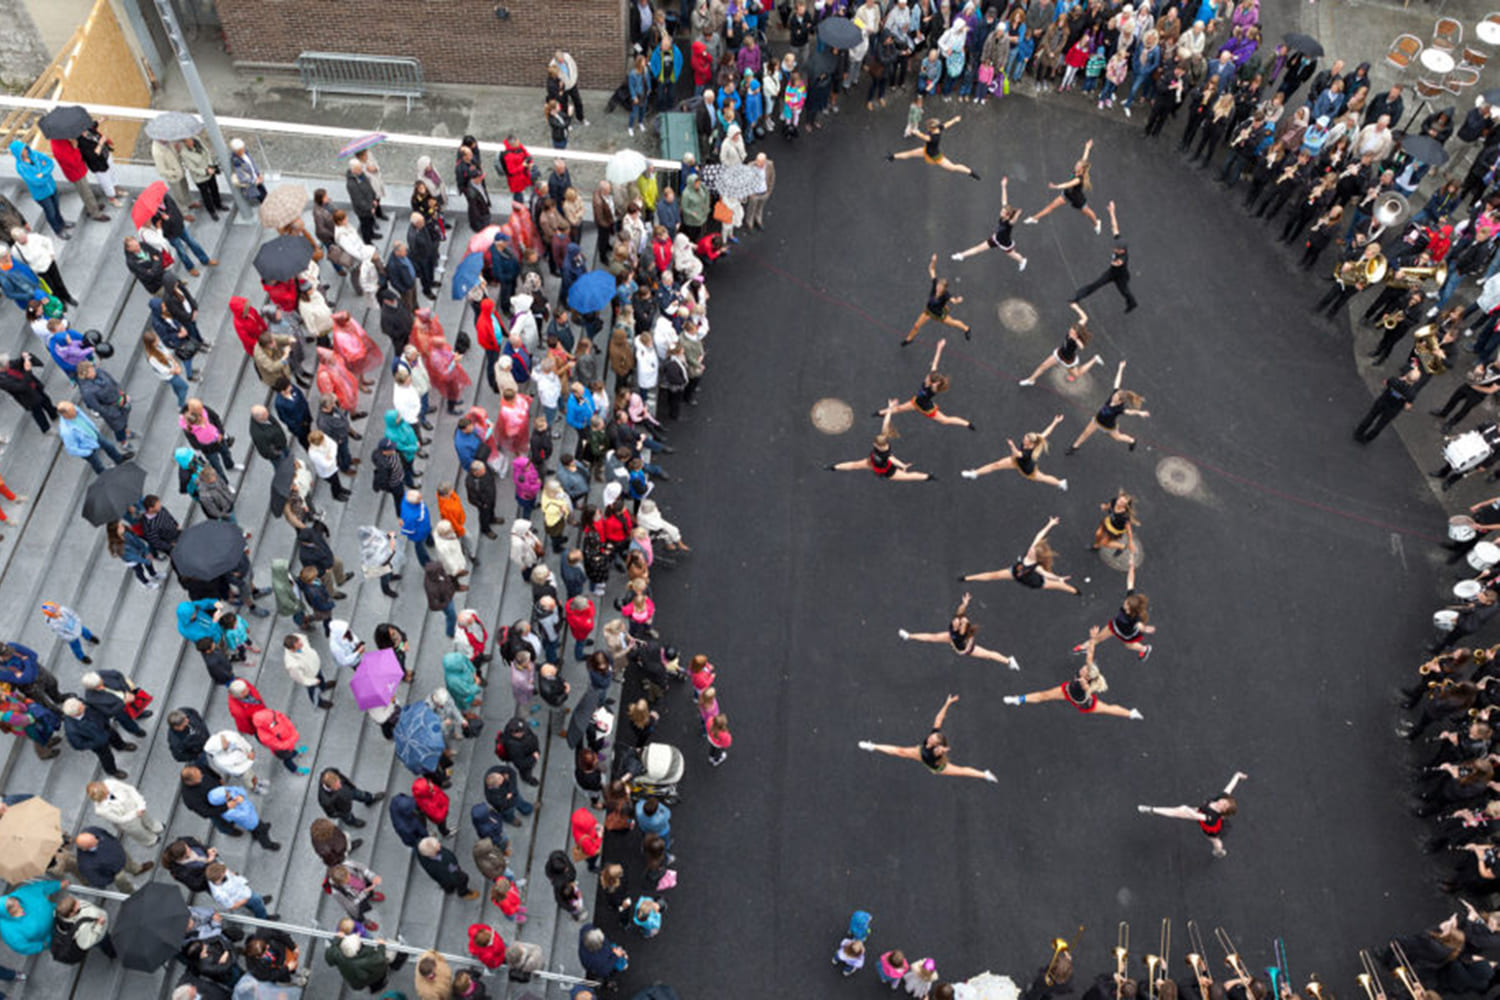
(451,509)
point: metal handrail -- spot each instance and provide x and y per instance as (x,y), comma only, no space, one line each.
(318,932)
(297,128)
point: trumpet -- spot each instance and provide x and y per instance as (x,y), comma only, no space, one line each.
(1369,980)
(1361,272)
(1196,962)
(1405,973)
(1122,955)
(1231,956)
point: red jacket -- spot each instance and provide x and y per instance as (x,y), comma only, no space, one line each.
(275,731)
(703,64)
(283,294)
(249,324)
(510,903)
(516,162)
(588,833)
(581,623)
(432,800)
(69,159)
(484,326)
(492,956)
(244,710)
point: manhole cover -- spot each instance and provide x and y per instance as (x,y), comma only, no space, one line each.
(832,416)
(1177,476)
(1119,559)
(1018,315)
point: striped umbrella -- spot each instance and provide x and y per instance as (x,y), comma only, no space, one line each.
(363,142)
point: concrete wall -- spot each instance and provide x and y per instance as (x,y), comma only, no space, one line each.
(23,52)
(457,41)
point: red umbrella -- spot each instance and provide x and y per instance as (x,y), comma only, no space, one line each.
(483,240)
(147,203)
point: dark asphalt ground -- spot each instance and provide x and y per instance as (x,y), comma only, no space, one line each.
(1291,588)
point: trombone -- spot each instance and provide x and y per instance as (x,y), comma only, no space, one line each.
(1156,965)
(1315,989)
(1281,976)
(1231,956)
(1196,962)
(1369,980)
(1056,973)
(1122,955)
(1406,973)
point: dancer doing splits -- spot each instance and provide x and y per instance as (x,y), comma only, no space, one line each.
(938,301)
(881,461)
(1023,459)
(925,401)
(1121,403)
(1002,238)
(1075,192)
(1211,817)
(1130,623)
(1117,528)
(961,636)
(1083,691)
(933,751)
(1069,352)
(931,134)
(1034,569)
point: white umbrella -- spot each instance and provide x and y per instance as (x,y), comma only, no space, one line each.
(174,126)
(739,180)
(625,166)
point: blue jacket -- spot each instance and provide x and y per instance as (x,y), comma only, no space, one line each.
(408,823)
(35,168)
(640,86)
(656,66)
(1145,61)
(294,412)
(68,348)
(31,932)
(416,523)
(242,815)
(19,284)
(79,435)
(23,666)
(579,411)
(467,445)
(488,822)
(400,273)
(195,620)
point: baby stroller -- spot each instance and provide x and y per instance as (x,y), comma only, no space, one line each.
(655,771)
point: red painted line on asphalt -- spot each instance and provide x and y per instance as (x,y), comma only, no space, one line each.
(1074,405)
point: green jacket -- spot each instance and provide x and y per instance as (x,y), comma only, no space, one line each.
(695,204)
(362,971)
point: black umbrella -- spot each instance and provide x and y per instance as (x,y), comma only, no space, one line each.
(820,63)
(283,258)
(65,123)
(208,550)
(1306,44)
(583,717)
(839,33)
(148,931)
(112,491)
(1425,149)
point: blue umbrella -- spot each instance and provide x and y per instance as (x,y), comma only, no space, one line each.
(466,274)
(419,738)
(591,292)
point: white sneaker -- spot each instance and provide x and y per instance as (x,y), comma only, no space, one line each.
(866,745)
(903,633)
(957,256)
(1012,699)
(630,130)
(1015,664)
(1097,359)
(1029,222)
(1126,109)
(1099,223)
(969,474)
(1135,713)
(1062,484)
(1144,809)
(1022,265)
(990,777)
(1027,382)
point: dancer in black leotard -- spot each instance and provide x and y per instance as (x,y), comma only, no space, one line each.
(1121,403)
(1034,569)
(961,636)
(881,462)
(1002,239)
(1024,458)
(931,150)
(1083,691)
(1211,817)
(1075,192)
(938,301)
(925,401)
(933,751)
(1069,352)
(1117,528)
(1131,624)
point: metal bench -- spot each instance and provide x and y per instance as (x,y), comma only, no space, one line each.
(347,73)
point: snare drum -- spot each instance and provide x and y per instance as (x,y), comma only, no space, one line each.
(1484,556)
(1467,590)
(1445,620)
(1462,529)
(1466,451)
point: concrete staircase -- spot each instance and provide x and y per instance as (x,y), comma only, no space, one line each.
(50,553)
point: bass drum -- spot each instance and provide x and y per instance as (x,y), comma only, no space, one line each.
(1466,451)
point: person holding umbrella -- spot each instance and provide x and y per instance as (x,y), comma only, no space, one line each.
(95,148)
(62,127)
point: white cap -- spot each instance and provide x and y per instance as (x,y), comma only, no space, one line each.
(238,145)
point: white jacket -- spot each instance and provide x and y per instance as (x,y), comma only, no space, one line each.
(324,458)
(407,402)
(303,664)
(37,251)
(1489,295)
(646,366)
(230,753)
(124,804)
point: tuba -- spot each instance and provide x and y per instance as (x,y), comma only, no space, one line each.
(1415,276)
(1392,207)
(1361,272)
(1428,351)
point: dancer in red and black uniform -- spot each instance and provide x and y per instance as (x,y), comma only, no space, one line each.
(1131,623)
(961,635)
(1083,691)
(1212,816)
(925,401)
(933,751)
(881,461)
(1034,569)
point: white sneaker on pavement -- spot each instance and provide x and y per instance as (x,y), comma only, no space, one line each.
(969,474)
(903,633)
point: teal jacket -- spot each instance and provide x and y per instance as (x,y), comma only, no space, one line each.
(31,932)
(35,169)
(458,674)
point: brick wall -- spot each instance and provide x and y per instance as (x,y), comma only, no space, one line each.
(457,41)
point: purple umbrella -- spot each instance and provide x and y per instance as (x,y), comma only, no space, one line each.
(375,679)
